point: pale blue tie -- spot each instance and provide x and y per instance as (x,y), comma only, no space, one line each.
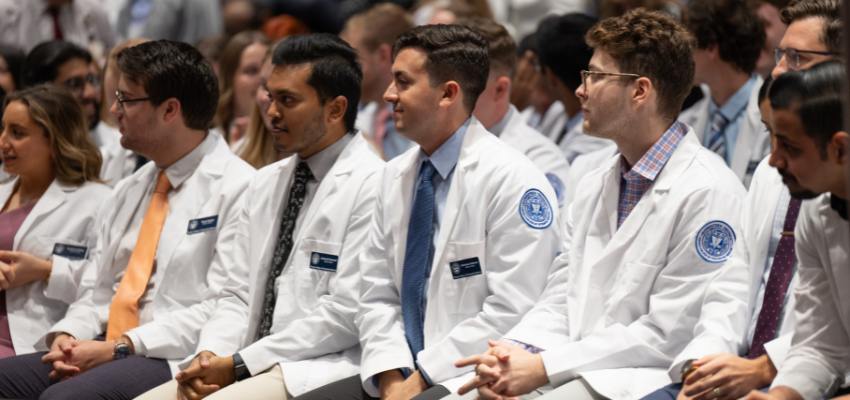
(416,259)
(717,143)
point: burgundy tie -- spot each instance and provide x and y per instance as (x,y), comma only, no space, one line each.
(57,29)
(777,284)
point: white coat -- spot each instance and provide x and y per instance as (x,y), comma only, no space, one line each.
(191,268)
(623,302)
(65,215)
(583,165)
(731,300)
(820,352)
(540,150)
(753,143)
(521,17)
(118,162)
(482,219)
(576,142)
(319,342)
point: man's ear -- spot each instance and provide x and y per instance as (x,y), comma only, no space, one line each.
(503,88)
(713,52)
(642,92)
(385,55)
(335,109)
(451,94)
(172,110)
(841,143)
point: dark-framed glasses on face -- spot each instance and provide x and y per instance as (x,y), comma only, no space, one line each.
(122,101)
(585,74)
(793,55)
(77,84)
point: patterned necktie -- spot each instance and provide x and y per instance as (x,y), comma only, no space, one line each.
(419,234)
(284,242)
(124,309)
(717,143)
(781,273)
(57,28)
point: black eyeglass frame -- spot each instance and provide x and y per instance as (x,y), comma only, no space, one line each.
(122,101)
(778,54)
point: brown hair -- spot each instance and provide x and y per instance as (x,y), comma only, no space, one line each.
(829,10)
(112,66)
(501,49)
(380,24)
(731,25)
(259,148)
(76,159)
(229,63)
(652,45)
(608,8)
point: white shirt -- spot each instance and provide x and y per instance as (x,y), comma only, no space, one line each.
(27,23)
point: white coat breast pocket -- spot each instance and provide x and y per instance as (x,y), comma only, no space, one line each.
(322,259)
(47,246)
(465,276)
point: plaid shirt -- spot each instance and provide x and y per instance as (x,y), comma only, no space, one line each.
(635,182)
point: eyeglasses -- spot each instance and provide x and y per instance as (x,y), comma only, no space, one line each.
(585,74)
(77,84)
(122,101)
(793,55)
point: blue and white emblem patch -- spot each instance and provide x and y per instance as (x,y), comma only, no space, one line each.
(535,210)
(558,186)
(715,241)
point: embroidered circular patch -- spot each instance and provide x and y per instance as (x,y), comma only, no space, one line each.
(535,210)
(714,241)
(558,186)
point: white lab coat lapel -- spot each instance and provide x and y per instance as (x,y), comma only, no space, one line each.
(762,229)
(400,201)
(697,115)
(176,226)
(837,261)
(137,185)
(467,159)
(53,197)
(749,133)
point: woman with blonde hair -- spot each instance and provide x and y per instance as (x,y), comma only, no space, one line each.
(48,213)
(258,147)
(239,78)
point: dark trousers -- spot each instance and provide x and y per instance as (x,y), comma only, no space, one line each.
(352,389)
(26,377)
(670,392)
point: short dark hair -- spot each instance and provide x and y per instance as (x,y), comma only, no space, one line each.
(561,46)
(43,62)
(731,25)
(815,95)
(167,69)
(14,57)
(334,68)
(501,46)
(380,24)
(765,88)
(653,45)
(829,10)
(455,53)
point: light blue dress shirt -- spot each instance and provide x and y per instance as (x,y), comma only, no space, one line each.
(775,235)
(733,111)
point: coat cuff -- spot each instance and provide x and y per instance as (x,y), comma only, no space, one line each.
(62,286)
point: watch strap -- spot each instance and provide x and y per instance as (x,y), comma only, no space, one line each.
(240,370)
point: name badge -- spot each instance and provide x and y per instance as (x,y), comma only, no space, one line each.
(69,251)
(324,262)
(202,225)
(465,268)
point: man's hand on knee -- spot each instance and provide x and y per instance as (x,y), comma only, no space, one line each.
(210,369)
(195,389)
(59,358)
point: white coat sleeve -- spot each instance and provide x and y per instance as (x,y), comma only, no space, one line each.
(820,348)
(518,260)
(379,319)
(329,328)
(175,334)
(674,301)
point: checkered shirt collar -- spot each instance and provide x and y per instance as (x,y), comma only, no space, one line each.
(653,161)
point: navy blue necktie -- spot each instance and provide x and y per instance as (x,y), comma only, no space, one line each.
(416,259)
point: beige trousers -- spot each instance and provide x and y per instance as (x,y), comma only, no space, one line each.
(577,389)
(267,385)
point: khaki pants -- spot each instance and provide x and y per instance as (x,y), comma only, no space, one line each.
(577,389)
(265,385)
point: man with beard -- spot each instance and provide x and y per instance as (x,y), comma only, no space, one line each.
(66,64)
(284,323)
(810,153)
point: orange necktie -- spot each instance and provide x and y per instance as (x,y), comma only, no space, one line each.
(124,310)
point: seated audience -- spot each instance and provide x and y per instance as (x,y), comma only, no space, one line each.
(81,22)
(49,211)
(239,79)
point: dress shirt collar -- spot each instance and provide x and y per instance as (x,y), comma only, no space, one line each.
(499,127)
(575,120)
(445,158)
(840,206)
(178,172)
(322,162)
(738,102)
(653,161)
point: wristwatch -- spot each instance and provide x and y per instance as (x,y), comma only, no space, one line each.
(240,370)
(122,349)
(687,369)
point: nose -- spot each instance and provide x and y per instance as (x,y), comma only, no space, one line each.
(581,92)
(391,94)
(115,110)
(5,144)
(780,68)
(89,92)
(776,159)
(273,112)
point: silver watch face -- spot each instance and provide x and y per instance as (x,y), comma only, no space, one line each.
(122,350)
(687,366)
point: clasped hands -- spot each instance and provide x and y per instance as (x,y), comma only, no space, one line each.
(206,374)
(69,357)
(504,371)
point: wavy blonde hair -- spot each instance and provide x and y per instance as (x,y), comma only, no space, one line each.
(75,159)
